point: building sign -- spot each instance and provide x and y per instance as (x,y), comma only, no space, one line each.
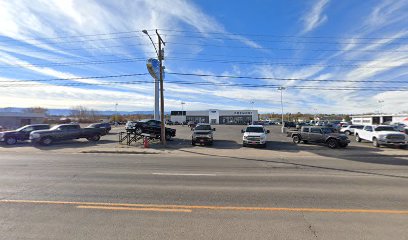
(242,113)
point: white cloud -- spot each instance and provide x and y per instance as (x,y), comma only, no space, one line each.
(315,17)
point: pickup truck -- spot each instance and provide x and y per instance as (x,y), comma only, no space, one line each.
(21,134)
(319,134)
(381,135)
(202,134)
(151,127)
(254,135)
(66,132)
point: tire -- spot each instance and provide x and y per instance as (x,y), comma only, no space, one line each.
(347,132)
(46,141)
(11,141)
(332,143)
(263,145)
(244,145)
(375,142)
(94,138)
(296,139)
(358,139)
(193,143)
(138,131)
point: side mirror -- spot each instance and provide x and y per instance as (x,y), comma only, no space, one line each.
(214,129)
(242,131)
(267,131)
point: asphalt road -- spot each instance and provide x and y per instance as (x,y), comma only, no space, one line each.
(202,196)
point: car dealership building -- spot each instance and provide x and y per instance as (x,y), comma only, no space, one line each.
(215,116)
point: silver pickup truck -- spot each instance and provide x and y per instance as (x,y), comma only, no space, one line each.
(66,132)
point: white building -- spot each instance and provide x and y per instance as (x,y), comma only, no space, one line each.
(379,119)
(215,116)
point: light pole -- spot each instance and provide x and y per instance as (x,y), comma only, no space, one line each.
(160,56)
(156,84)
(116,114)
(182,110)
(252,111)
(281,90)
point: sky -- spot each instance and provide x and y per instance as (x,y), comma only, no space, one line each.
(326,56)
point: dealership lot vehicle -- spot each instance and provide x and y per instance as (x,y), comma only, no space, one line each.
(106,126)
(21,134)
(203,134)
(320,135)
(149,126)
(66,132)
(254,135)
(350,129)
(382,135)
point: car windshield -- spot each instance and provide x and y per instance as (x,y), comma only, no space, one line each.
(19,129)
(385,128)
(55,127)
(93,125)
(203,127)
(255,129)
(327,130)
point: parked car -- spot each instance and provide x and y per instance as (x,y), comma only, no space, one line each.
(106,126)
(66,132)
(382,135)
(254,135)
(169,122)
(289,125)
(191,124)
(203,134)
(150,126)
(21,134)
(320,135)
(349,129)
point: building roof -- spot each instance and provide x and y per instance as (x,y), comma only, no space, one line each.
(22,114)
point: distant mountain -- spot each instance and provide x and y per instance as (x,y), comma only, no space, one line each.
(66,112)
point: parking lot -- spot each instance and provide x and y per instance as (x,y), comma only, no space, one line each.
(227,141)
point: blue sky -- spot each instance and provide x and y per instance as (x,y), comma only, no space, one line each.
(335,44)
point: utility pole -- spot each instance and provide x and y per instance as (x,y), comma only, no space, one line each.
(281,90)
(252,111)
(116,114)
(161,57)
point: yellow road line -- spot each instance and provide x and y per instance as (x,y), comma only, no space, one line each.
(232,208)
(136,209)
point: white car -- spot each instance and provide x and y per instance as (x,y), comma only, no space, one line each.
(254,135)
(350,129)
(382,135)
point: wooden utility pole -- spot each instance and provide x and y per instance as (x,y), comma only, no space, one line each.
(161,57)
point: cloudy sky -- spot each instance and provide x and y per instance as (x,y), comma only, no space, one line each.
(331,56)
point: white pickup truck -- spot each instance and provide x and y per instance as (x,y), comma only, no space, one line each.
(381,135)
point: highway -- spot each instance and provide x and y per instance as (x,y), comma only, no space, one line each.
(201,196)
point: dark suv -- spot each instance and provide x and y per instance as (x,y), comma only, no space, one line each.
(150,126)
(105,126)
(21,134)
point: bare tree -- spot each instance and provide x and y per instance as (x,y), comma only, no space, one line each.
(40,110)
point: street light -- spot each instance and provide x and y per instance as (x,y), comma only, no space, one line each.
(160,56)
(182,110)
(281,90)
(116,114)
(252,111)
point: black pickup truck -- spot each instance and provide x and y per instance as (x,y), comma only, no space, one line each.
(21,134)
(66,132)
(320,135)
(150,126)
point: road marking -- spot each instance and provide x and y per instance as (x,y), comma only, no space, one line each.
(203,207)
(136,209)
(185,174)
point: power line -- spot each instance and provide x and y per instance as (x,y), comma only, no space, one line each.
(285,79)
(276,36)
(282,49)
(75,78)
(221,61)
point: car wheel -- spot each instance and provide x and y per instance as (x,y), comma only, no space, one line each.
(358,139)
(46,141)
(347,132)
(332,143)
(138,131)
(11,141)
(94,138)
(296,139)
(375,142)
